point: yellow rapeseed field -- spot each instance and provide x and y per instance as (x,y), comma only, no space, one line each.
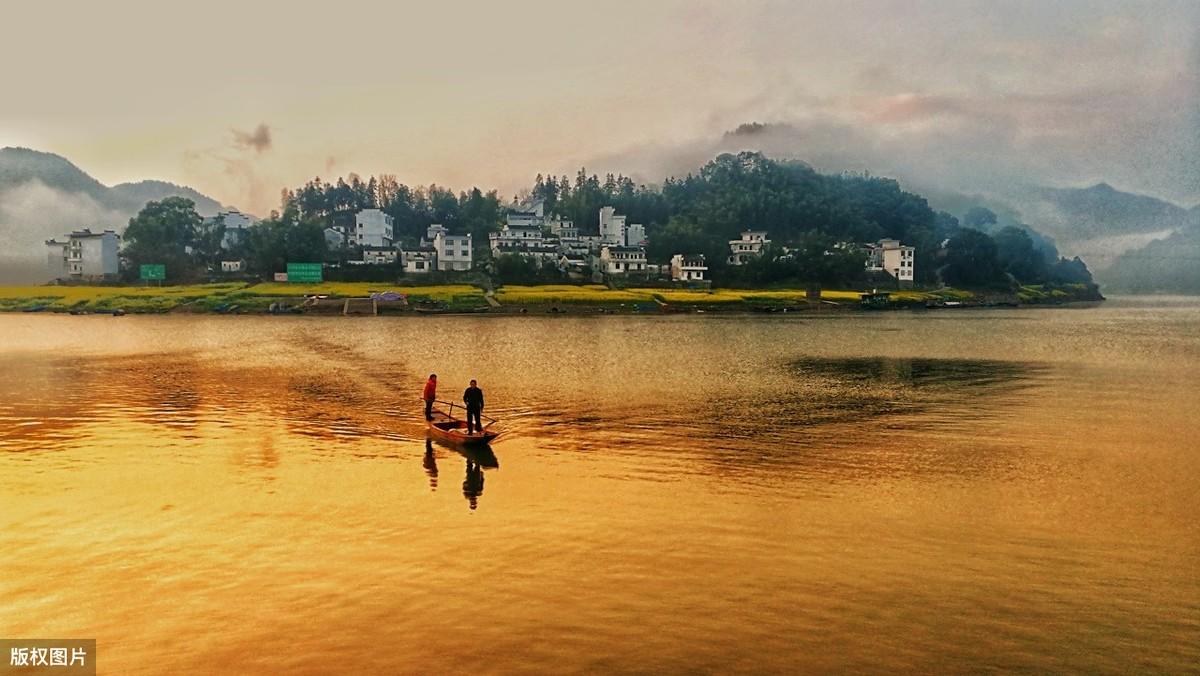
(565,293)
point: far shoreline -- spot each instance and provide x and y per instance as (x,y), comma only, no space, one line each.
(369,298)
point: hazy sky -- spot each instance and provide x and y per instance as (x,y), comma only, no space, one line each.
(239,99)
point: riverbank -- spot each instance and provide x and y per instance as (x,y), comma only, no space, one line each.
(376,298)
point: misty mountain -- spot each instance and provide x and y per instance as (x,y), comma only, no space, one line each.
(1170,265)
(133,196)
(43,195)
(1101,211)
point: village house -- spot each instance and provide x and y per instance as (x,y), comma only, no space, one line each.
(420,261)
(749,246)
(620,260)
(84,255)
(564,230)
(372,227)
(519,233)
(892,257)
(688,268)
(453,251)
(615,232)
(236,226)
(379,255)
(230,267)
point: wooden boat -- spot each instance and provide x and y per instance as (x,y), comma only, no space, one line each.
(446,427)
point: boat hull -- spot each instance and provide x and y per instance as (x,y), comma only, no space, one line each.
(454,431)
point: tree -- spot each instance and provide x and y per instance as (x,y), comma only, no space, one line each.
(163,232)
(971,260)
(284,238)
(979,218)
(1016,254)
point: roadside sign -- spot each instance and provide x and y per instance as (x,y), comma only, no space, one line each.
(152,272)
(304,272)
(281,276)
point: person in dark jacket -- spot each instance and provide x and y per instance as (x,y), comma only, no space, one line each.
(473,398)
(429,394)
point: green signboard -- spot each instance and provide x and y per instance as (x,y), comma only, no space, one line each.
(153,272)
(304,272)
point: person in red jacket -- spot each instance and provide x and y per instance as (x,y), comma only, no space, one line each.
(429,394)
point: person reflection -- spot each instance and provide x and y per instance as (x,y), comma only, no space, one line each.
(473,485)
(430,464)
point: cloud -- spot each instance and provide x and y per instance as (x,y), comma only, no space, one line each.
(258,140)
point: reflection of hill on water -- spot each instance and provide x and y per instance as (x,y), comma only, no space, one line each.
(848,389)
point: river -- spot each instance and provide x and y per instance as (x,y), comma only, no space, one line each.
(957,490)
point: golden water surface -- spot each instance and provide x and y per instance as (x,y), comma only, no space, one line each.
(945,491)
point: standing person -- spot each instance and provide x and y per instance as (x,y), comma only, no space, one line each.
(429,394)
(473,398)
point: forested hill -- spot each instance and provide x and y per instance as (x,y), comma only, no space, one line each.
(799,207)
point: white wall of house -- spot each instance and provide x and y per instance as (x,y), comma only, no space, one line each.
(892,257)
(84,255)
(612,227)
(420,262)
(372,227)
(620,260)
(635,235)
(453,251)
(749,246)
(236,224)
(688,268)
(379,255)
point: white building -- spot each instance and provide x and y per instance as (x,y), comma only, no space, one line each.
(372,227)
(688,268)
(892,257)
(431,233)
(453,251)
(379,255)
(514,238)
(612,227)
(84,256)
(749,246)
(635,235)
(564,230)
(236,225)
(621,260)
(233,266)
(523,219)
(420,261)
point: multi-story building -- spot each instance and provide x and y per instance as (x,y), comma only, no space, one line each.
(84,255)
(372,227)
(453,251)
(892,257)
(515,237)
(236,226)
(749,246)
(688,268)
(620,260)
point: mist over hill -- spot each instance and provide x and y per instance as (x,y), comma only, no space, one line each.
(43,195)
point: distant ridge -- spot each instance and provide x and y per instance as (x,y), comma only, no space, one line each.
(23,165)
(43,195)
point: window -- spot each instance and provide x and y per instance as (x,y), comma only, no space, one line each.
(420,265)
(464,253)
